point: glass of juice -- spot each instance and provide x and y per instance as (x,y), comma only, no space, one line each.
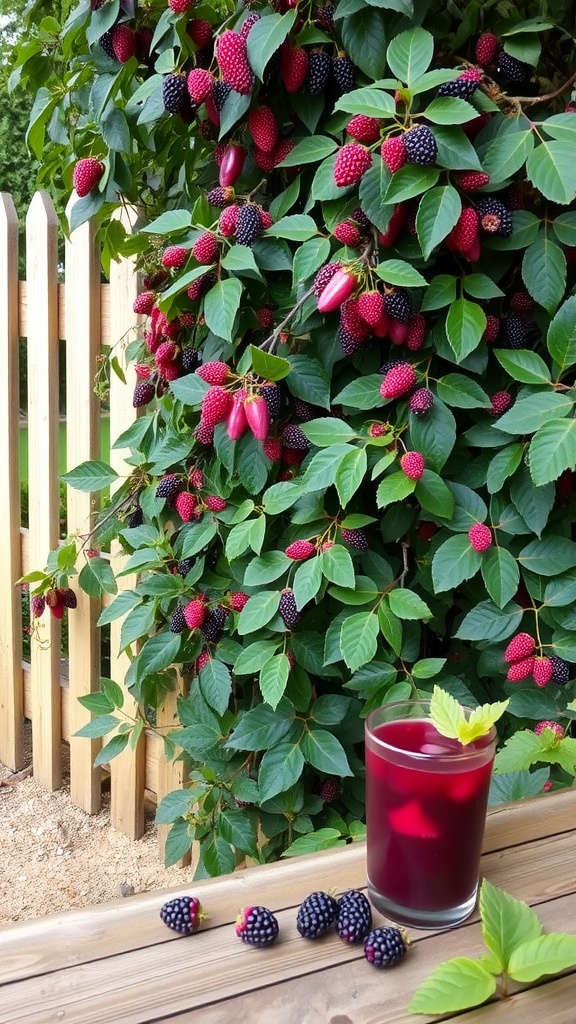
(426,799)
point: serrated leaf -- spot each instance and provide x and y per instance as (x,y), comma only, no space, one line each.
(501,575)
(307,581)
(328,430)
(427,668)
(410,54)
(399,272)
(407,605)
(433,495)
(455,985)
(506,922)
(90,476)
(434,435)
(437,214)
(394,487)
(266,568)
(309,381)
(561,337)
(368,101)
(465,326)
(552,450)
(390,626)
(350,474)
(280,768)
(363,393)
(552,170)
(544,271)
(215,684)
(523,365)
(454,561)
(535,411)
(446,714)
(359,639)
(410,181)
(309,150)
(221,305)
(549,556)
(364,40)
(337,566)
(324,752)
(546,954)
(266,37)
(441,292)
(462,392)
(297,227)
(258,611)
(274,678)
(254,657)
(449,110)
(157,653)
(507,153)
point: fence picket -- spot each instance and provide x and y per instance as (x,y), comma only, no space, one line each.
(11,681)
(43,486)
(82,332)
(128,770)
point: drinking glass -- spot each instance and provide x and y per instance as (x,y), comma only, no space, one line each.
(426,799)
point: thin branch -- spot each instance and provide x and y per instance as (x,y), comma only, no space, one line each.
(531,101)
(270,342)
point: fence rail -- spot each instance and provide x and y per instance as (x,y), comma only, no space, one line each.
(86,315)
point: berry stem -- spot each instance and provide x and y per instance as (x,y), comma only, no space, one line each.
(270,342)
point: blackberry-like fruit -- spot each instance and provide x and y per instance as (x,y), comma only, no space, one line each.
(462,88)
(325,16)
(182,914)
(356,539)
(106,44)
(385,947)
(168,486)
(248,224)
(174,92)
(272,395)
(354,919)
(398,305)
(177,620)
(257,926)
(190,359)
(560,670)
(184,566)
(343,73)
(349,341)
(316,914)
(319,67)
(389,364)
(514,70)
(305,411)
(514,332)
(495,217)
(420,145)
(220,93)
(213,625)
(421,401)
(294,437)
(143,393)
(288,609)
(136,518)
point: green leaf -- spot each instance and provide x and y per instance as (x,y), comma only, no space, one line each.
(462,392)
(98,726)
(434,435)
(372,190)
(308,258)
(455,985)
(274,679)
(501,575)
(549,556)
(90,476)
(266,568)
(369,101)
(262,727)
(440,292)
(564,227)
(350,474)
(455,151)
(97,578)
(254,657)
(407,605)
(158,652)
(507,153)
(363,38)
(410,54)
(178,842)
(215,684)
(506,922)
(298,227)
(552,450)
(502,466)
(240,260)
(535,411)
(561,337)
(480,286)
(449,110)
(258,611)
(544,271)
(307,581)
(198,536)
(485,621)
(270,32)
(394,487)
(322,839)
(280,768)
(221,305)
(433,495)
(410,181)
(309,381)
(547,954)
(324,752)
(322,468)
(172,806)
(552,170)
(338,567)
(281,496)
(189,390)
(454,561)
(238,830)
(427,668)
(112,749)
(438,212)
(359,639)
(401,273)
(465,325)
(328,430)
(533,503)
(309,150)
(363,393)
(390,627)
(523,365)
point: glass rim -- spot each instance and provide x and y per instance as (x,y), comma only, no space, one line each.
(465,753)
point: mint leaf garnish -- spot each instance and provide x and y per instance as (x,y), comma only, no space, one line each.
(449,718)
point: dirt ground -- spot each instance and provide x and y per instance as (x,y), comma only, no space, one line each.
(55,857)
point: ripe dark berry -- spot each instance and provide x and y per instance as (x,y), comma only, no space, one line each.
(514,70)
(182,914)
(257,926)
(248,224)
(420,145)
(356,539)
(462,88)
(343,73)
(495,217)
(214,623)
(316,914)
(513,332)
(319,67)
(220,93)
(294,437)
(177,620)
(421,401)
(168,486)
(143,393)
(398,304)
(384,947)
(272,395)
(288,609)
(560,670)
(37,605)
(174,91)
(184,566)
(354,919)
(190,359)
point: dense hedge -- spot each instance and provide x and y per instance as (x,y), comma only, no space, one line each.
(352,473)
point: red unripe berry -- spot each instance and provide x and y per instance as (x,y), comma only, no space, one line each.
(200,84)
(263,127)
(338,289)
(542,671)
(185,505)
(231,164)
(521,646)
(299,550)
(480,536)
(520,670)
(232,58)
(554,726)
(174,257)
(398,381)
(214,372)
(501,401)
(413,465)
(86,175)
(364,128)
(195,613)
(347,233)
(258,416)
(393,152)
(215,503)
(351,164)
(205,248)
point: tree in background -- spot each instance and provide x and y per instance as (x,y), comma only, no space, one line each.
(352,472)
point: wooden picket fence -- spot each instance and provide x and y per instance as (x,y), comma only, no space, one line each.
(88,316)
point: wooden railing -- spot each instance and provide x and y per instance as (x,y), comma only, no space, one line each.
(88,316)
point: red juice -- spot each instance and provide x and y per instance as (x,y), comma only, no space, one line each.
(426,799)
